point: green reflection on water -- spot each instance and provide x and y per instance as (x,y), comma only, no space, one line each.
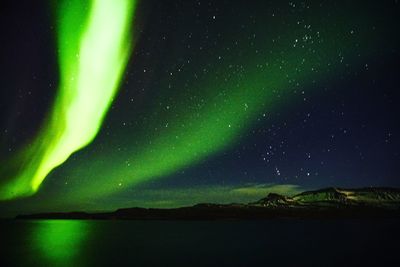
(60,242)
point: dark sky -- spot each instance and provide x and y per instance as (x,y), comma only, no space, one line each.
(220,101)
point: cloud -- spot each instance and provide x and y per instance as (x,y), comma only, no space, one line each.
(156,197)
(264,189)
(186,196)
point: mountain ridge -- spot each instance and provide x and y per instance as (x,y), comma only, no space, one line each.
(331,202)
(367,196)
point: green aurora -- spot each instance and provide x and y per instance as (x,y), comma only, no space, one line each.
(221,105)
(94,47)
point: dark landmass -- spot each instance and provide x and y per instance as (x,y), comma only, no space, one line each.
(372,202)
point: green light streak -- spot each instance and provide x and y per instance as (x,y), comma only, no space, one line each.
(215,112)
(223,108)
(212,129)
(93,47)
(60,242)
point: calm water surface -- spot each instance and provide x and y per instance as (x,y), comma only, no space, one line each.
(200,243)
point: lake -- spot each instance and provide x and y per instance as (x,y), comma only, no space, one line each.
(200,243)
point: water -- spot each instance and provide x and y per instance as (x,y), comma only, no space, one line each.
(200,243)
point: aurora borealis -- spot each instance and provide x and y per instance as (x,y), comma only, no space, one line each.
(218,99)
(93,47)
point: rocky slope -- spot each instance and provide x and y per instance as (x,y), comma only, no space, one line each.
(371,196)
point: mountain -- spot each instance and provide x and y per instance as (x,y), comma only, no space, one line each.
(377,197)
(372,202)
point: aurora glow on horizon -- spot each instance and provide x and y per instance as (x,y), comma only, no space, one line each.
(215,98)
(213,118)
(94,47)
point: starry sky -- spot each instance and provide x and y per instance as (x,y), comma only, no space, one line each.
(213,101)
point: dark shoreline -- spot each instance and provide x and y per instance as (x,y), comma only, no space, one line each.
(328,203)
(219,212)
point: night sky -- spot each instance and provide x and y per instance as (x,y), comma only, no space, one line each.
(213,101)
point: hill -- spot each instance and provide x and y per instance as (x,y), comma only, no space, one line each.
(372,202)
